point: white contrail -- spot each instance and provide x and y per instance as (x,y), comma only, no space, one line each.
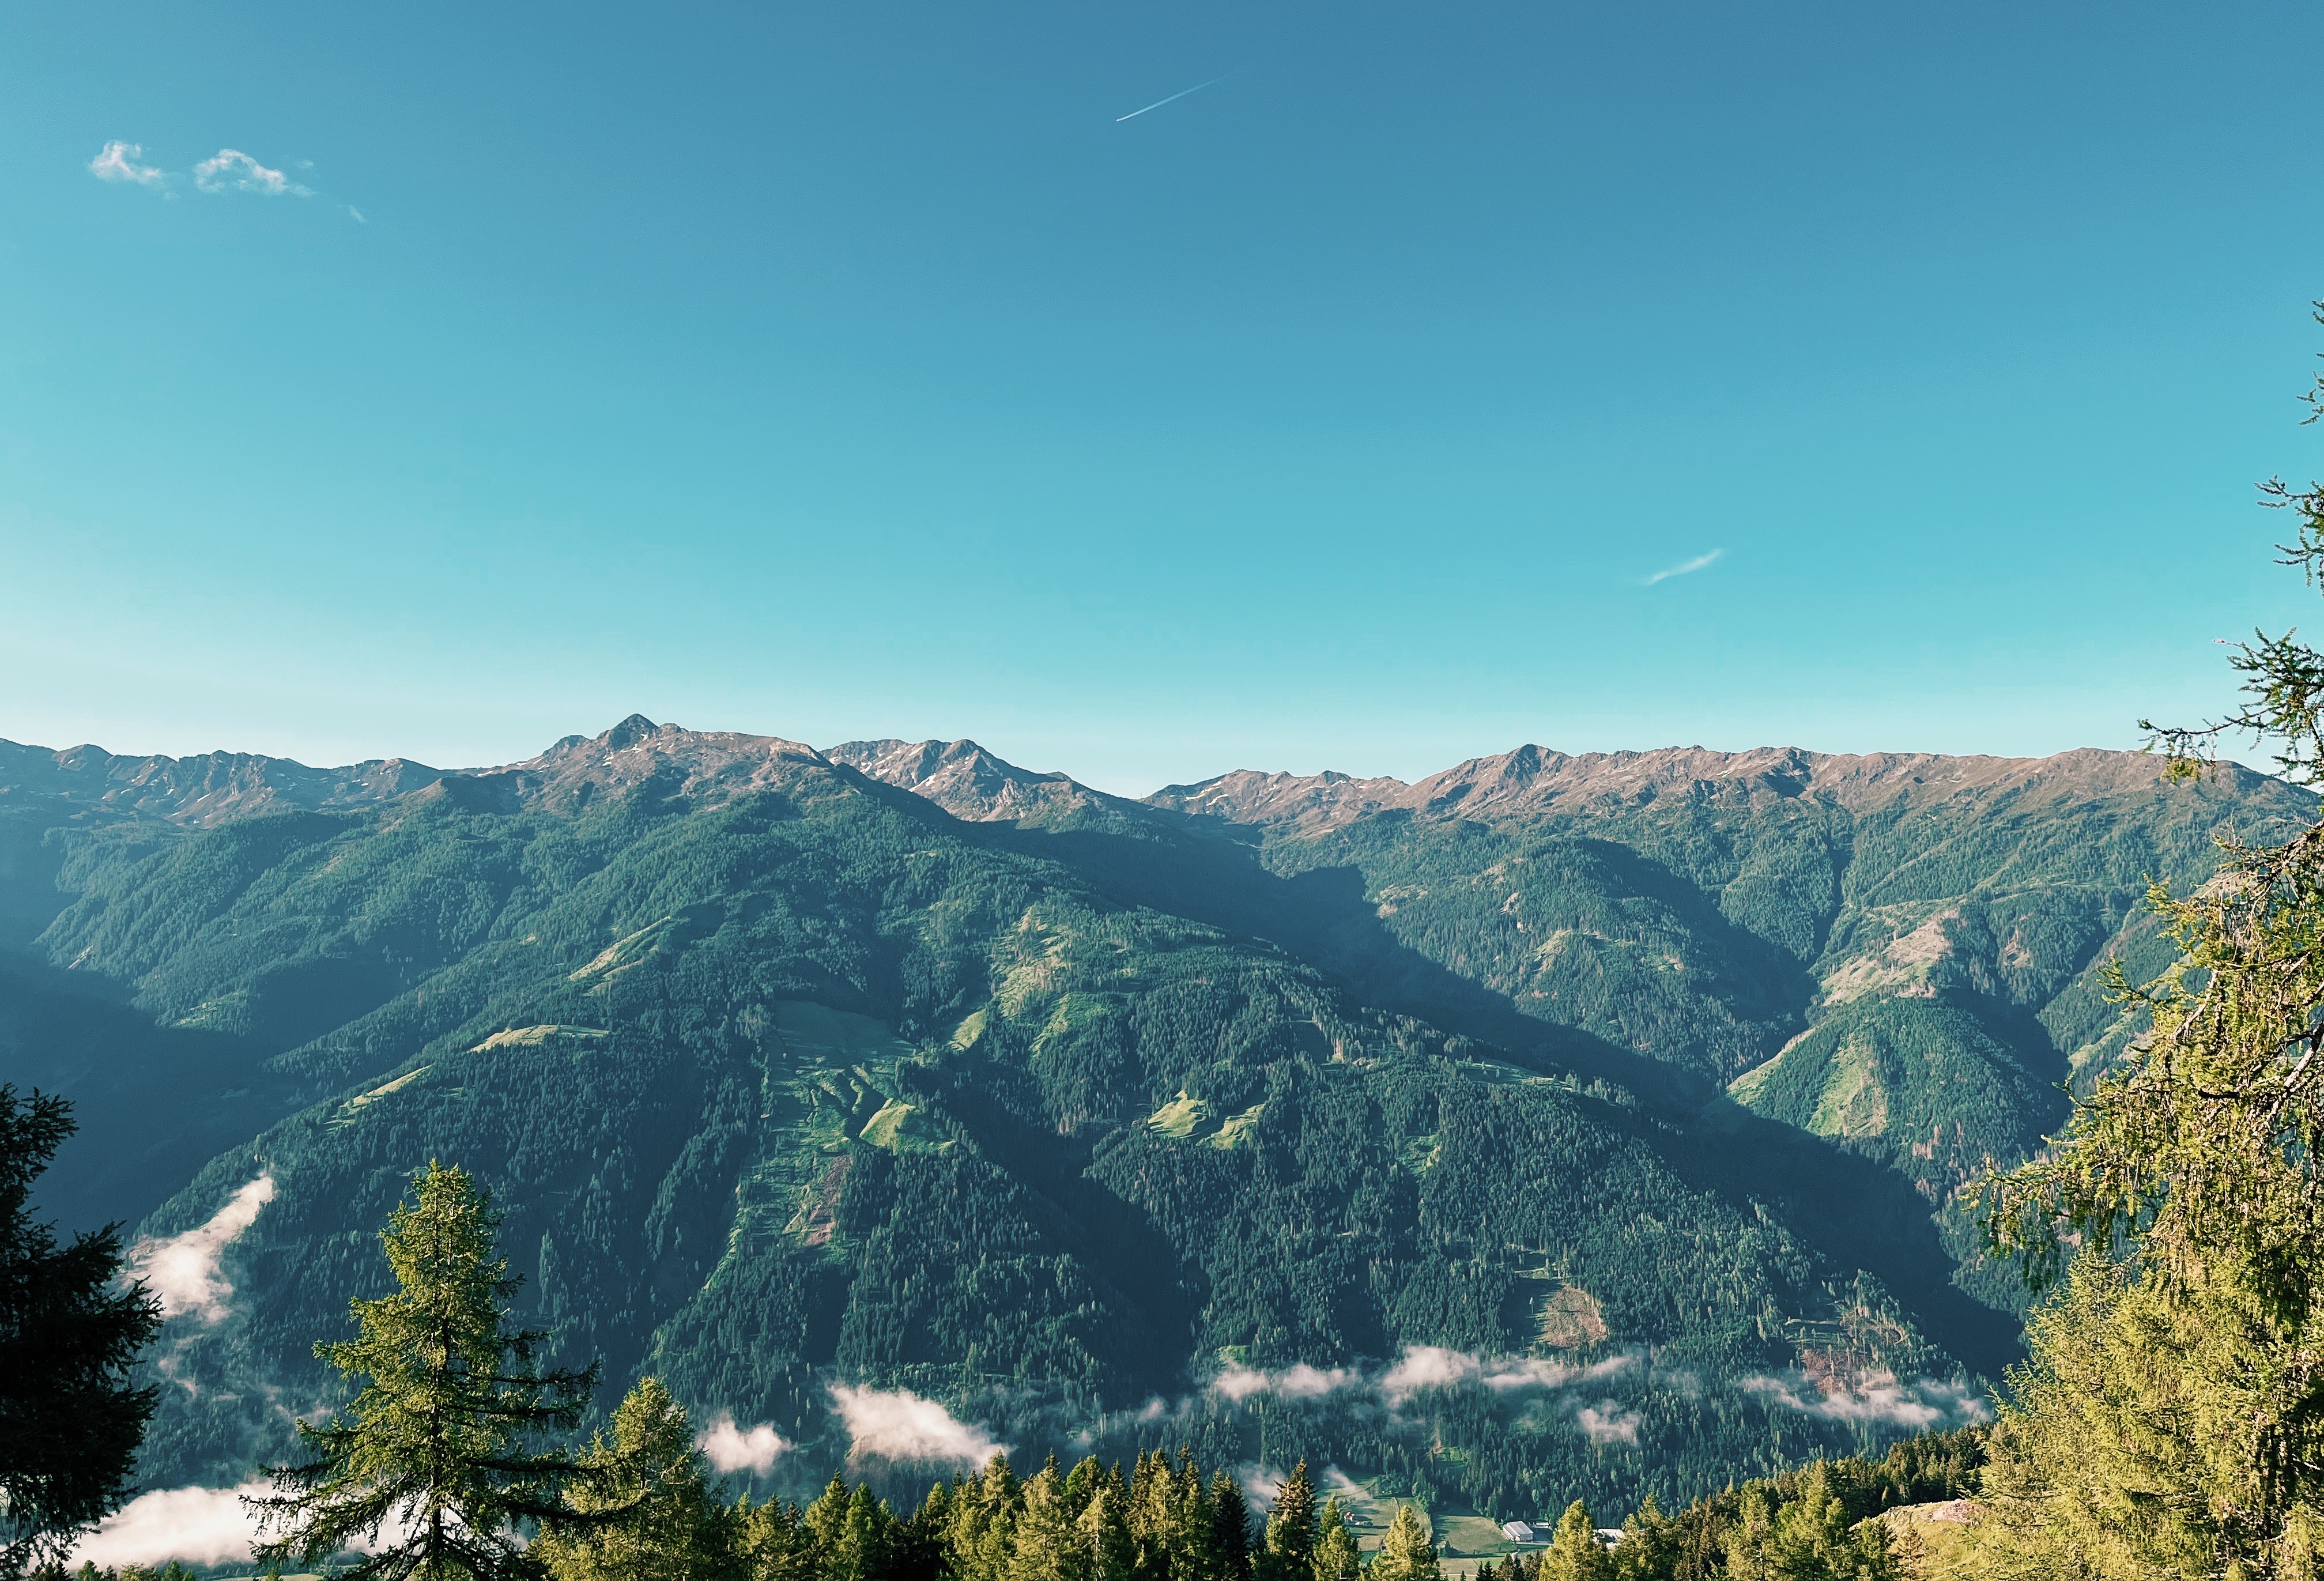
(1157,104)
(1696,564)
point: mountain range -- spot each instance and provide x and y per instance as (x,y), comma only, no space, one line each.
(1555,1126)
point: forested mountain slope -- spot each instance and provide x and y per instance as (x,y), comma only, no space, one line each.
(1379,1123)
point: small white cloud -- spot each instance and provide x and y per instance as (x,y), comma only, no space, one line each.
(355,214)
(202,1526)
(732,1449)
(233,171)
(1607,1422)
(896,1424)
(1260,1485)
(1425,1367)
(1686,568)
(117,161)
(183,1270)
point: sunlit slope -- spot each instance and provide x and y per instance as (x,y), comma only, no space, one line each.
(1920,938)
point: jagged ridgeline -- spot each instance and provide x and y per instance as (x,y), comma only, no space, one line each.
(1556,1127)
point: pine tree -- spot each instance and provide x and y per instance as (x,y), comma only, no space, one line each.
(1192,1545)
(867,1532)
(1406,1552)
(1811,1539)
(69,1421)
(438,1441)
(1290,1551)
(1048,1546)
(1573,1553)
(1651,1546)
(1336,1558)
(983,1523)
(672,1526)
(1109,1552)
(2201,1164)
(777,1546)
(1231,1527)
(1749,1540)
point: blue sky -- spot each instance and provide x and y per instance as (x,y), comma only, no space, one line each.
(848,370)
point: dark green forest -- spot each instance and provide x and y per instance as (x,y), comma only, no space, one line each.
(1398,1139)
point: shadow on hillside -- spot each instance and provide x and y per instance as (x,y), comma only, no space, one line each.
(1856,1211)
(153,1104)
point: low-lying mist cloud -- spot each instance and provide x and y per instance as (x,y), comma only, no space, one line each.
(183,1270)
(1428,1366)
(1607,1422)
(202,1526)
(1873,1397)
(1262,1483)
(1298,1382)
(896,1424)
(731,1449)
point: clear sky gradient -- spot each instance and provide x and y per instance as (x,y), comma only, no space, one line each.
(838,370)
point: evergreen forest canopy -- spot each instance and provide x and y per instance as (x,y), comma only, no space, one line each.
(1555,1129)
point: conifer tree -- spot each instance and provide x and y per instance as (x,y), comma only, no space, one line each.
(1231,1527)
(1290,1551)
(1812,1541)
(69,1420)
(1651,1546)
(1336,1559)
(1109,1552)
(983,1523)
(439,1440)
(1573,1553)
(2199,1163)
(866,1539)
(671,1526)
(1748,1555)
(1405,1553)
(1048,1545)
(1192,1543)
(777,1546)
(827,1517)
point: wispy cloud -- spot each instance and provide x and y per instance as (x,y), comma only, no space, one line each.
(896,1424)
(1300,1382)
(1686,568)
(117,161)
(226,172)
(730,1447)
(1873,1397)
(232,171)
(183,1270)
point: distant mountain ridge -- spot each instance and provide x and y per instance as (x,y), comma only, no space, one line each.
(894,1064)
(1534,779)
(971,782)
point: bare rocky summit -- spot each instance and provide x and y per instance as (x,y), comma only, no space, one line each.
(1535,779)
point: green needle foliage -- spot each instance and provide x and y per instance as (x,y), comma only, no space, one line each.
(670,1523)
(1288,1553)
(436,1449)
(69,1420)
(1405,1553)
(2170,1420)
(1574,1554)
(1336,1556)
